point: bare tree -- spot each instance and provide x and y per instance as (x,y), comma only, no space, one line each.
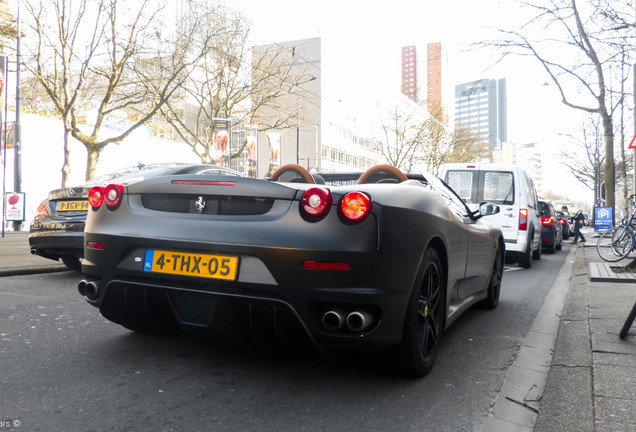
(403,132)
(8,29)
(585,157)
(442,145)
(411,136)
(234,81)
(575,42)
(109,58)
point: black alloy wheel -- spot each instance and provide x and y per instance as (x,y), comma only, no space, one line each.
(494,284)
(424,321)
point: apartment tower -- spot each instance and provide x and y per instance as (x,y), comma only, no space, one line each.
(422,83)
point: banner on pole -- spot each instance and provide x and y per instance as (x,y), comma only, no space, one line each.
(251,137)
(274,152)
(222,142)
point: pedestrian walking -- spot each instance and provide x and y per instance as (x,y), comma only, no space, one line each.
(578,223)
(565,211)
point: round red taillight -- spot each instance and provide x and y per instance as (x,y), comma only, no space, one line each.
(356,206)
(317,201)
(96,197)
(113,194)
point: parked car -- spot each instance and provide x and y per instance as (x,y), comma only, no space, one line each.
(57,229)
(564,220)
(513,190)
(378,261)
(551,231)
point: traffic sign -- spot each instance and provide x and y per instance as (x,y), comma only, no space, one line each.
(632,144)
(603,218)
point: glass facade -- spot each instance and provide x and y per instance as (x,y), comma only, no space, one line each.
(481,105)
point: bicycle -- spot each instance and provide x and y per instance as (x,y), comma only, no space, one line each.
(619,241)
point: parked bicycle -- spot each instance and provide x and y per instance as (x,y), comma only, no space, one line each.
(619,241)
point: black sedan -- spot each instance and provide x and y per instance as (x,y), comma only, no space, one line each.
(57,229)
(551,231)
(378,261)
(564,221)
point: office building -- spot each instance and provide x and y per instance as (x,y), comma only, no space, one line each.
(481,105)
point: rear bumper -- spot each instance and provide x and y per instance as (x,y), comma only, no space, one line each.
(271,283)
(516,246)
(54,244)
(548,235)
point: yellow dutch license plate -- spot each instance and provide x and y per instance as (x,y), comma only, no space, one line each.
(191,264)
(71,206)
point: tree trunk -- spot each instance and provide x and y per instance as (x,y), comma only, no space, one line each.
(66,166)
(91,162)
(608,168)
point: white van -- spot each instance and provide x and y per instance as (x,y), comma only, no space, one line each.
(513,190)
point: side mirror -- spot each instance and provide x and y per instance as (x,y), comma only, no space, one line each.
(488,208)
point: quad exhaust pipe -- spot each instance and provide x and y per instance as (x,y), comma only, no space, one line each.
(356,321)
(333,319)
(89,288)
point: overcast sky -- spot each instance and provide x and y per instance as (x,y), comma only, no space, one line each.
(366,35)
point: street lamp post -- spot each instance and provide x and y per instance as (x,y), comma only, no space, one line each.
(17,149)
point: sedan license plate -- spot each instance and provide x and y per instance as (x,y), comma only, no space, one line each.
(72,206)
(191,264)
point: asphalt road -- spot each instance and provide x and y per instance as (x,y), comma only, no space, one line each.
(65,368)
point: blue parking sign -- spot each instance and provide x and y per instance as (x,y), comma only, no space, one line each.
(603,218)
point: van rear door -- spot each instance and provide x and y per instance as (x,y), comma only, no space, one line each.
(499,187)
(475,185)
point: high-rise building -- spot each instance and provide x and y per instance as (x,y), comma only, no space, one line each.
(409,72)
(481,105)
(423,83)
(433,76)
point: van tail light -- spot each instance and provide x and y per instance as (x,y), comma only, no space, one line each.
(356,206)
(523,219)
(112,195)
(316,201)
(96,197)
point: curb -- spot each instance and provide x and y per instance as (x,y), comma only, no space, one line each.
(32,270)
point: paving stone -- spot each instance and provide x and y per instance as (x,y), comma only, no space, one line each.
(611,426)
(567,404)
(615,359)
(573,345)
(621,411)
(614,382)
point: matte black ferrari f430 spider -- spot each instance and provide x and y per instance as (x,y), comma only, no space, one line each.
(378,261)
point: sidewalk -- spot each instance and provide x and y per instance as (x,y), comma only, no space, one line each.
(16,258)
(591,385)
